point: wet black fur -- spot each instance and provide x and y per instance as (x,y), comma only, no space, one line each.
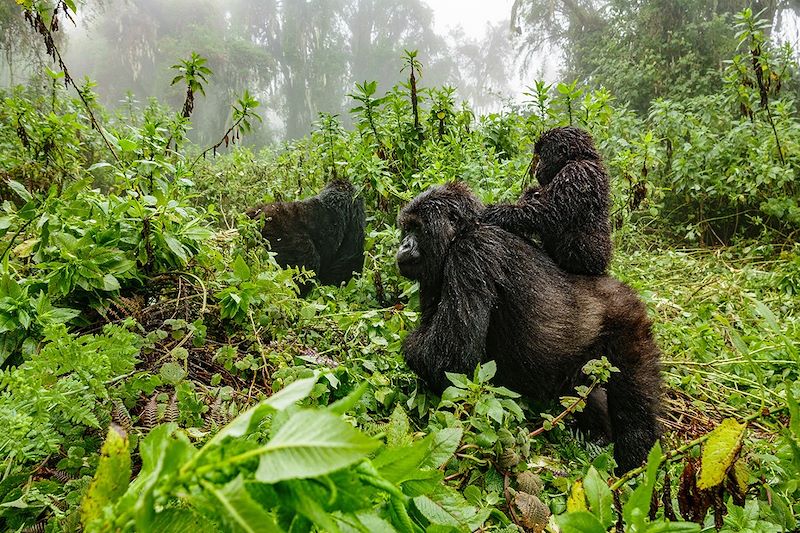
(569,211)
(324,233)
(488,294)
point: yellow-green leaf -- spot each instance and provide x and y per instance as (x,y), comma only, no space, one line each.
(112,477)
(577,498)
(719,452)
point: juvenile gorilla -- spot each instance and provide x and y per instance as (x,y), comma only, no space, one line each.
(488,294)
(324,233)
(569,211)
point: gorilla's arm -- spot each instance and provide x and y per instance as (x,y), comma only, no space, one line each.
(453,339)
(571,194)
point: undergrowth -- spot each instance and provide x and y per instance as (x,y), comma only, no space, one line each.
(160,373)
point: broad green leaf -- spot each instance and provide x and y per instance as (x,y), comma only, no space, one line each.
(240,269)
(579,522)
(238,510)
(444,445)
(110,283)
(398,429)
(245,422)
(176,247)
(347,403)
(398,465)
(487,371)
(172,373)
(180,521)
(446,507)
(111,478)
(600,498)
(719,452)
(20,189)
(312,443)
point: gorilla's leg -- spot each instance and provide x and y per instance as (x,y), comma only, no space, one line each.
(594,420)
(633,393)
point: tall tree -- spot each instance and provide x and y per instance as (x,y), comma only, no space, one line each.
(639,50)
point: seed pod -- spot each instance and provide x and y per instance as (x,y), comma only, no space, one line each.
(533,513)
(508,459)
(529,482)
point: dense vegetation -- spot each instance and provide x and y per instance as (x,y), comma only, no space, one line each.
(133,291)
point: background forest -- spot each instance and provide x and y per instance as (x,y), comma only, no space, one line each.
(133,290)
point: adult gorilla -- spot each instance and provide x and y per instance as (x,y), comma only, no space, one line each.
(324,233)
(488,294)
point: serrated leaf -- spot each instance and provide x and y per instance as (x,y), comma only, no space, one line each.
(719,452)
(600,498)
(310,444)
(444,445)
(446,507)
(111,478)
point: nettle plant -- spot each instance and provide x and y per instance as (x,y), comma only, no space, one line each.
(279,467)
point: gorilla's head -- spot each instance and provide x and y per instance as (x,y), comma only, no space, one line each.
(556,147)
(429,224)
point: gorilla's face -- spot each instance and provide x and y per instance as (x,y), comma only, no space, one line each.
(429,224)
(409,256)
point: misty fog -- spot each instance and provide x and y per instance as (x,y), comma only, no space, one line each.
(300,58)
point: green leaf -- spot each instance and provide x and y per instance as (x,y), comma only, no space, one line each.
(238,510)
(312,443)
(399,428)
(445,443)
(446,507)
(719,452)
(181,520)
(111,478)
(176,247)
(172,373)
(579,522)
(247,421)
(240,269)
(347,403)
(20,189)
(110,283)
(486,371)
(600,497)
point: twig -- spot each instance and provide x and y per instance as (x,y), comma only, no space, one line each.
(13,238)
(222,140)
(565,412)
(669,456)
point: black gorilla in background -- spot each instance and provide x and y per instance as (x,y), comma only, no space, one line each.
(570,210)
(488,294)
(324,233)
